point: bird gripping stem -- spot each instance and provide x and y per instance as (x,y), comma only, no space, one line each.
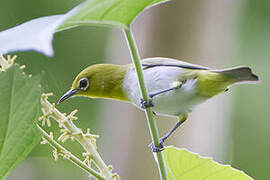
(149,114)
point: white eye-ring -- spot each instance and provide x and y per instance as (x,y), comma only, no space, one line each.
(83,84)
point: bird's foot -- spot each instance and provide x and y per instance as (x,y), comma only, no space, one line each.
(158,148)
(145,104)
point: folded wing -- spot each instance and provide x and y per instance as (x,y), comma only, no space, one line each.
(161,61)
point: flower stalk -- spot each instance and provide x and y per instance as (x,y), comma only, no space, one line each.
(60,150)
(149,114)
(70,131)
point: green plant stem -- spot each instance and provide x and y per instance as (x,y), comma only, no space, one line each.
(62,151)
(149,114)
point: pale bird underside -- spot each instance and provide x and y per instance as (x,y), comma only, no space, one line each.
(163,73)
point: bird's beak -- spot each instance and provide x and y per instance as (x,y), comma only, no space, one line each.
(68,95)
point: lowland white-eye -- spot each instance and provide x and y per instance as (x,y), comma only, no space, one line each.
(175,87)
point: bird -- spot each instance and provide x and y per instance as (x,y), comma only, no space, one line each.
(175,87)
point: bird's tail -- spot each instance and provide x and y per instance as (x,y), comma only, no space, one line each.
(240,74)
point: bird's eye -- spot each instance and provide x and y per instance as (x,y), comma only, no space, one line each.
(83,84)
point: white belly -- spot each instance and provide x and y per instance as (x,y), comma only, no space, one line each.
(171,103)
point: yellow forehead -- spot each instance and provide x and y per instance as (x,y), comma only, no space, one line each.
(99,72)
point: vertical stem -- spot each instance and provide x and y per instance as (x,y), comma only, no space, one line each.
(149,114)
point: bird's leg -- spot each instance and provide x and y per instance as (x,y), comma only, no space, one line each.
(144,104)
(151,95)
(160,147)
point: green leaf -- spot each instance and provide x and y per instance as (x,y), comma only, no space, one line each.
(38,33)
(182,164)
(108,12)
(19,111)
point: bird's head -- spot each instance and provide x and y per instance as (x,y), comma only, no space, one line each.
(98,81)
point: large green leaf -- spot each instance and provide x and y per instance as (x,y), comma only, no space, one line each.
(19,110)
(185,165)
(37,34)
(108,12)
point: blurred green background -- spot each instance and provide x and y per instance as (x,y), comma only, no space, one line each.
(232,128)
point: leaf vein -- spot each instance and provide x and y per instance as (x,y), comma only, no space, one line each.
(9,112)
(112,7)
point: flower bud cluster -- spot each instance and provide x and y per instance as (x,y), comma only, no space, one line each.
(70,131)
(6,63)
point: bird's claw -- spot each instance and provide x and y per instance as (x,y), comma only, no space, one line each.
(158,148)
(145,104)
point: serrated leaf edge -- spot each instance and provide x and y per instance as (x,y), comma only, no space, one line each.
(209,158)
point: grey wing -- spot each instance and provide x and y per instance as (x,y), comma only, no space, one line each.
(161,61)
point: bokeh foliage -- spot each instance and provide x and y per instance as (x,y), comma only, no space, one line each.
(251,116)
